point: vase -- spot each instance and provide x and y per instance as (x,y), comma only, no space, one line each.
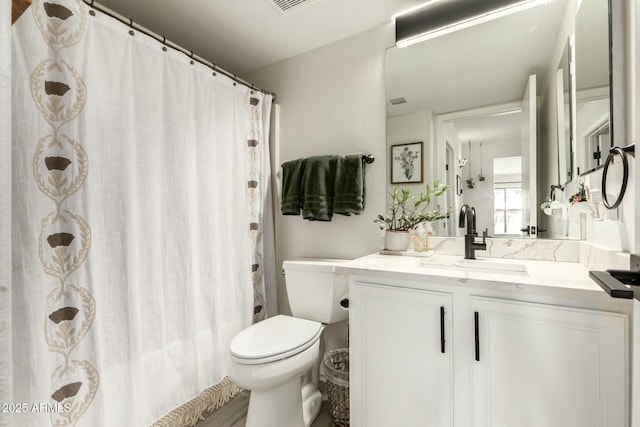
(396,240)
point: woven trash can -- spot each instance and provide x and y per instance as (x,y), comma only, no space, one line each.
(336,367)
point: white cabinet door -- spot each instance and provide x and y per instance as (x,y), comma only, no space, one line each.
(400,362)
(543,365)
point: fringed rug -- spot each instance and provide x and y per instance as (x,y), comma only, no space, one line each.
(211,399)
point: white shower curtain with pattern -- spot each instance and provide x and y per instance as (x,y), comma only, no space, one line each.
(140,192)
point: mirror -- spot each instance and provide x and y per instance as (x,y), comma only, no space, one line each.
(469,87)
(593,83)
(564,108)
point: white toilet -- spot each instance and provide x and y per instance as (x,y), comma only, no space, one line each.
(278,359)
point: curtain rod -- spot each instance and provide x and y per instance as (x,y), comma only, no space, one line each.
(189,53)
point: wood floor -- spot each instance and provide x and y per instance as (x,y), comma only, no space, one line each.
(234,414)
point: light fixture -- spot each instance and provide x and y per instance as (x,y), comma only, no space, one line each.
(416,8)
(507,112)
(444,17)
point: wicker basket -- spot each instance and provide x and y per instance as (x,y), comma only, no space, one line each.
(336,366)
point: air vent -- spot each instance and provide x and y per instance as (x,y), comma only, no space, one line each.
(285,5)
(396,101)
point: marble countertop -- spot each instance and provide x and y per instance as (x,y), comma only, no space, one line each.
(548,277)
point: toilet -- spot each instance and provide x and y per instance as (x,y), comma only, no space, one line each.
(278,359)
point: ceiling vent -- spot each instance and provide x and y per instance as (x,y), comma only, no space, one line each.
(286,5)
(396,101)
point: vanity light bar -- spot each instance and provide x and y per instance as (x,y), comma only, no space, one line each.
(505,113)
(444,17)
(416,8)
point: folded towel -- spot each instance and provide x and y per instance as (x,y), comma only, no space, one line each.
(318,180)
(292,187)
(349,186)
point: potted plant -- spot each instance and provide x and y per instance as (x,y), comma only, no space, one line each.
(406,211)
(579,199)
(580,196)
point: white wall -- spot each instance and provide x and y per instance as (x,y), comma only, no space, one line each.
(332,101)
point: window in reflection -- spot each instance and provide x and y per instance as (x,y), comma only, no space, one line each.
(508,210)
(507,195)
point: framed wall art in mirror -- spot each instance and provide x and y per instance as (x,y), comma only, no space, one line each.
(407,163)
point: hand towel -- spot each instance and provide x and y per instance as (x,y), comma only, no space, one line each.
(349,185)
(318,180)
(292,187)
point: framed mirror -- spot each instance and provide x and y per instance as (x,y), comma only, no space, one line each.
(564,109)
(594,123)
(483,86)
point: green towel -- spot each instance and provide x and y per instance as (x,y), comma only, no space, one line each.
(318,181)
(292,187)
(349,186)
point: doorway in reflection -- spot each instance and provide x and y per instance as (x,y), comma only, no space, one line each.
(484,148)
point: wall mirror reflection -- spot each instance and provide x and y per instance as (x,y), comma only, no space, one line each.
(564,108)
(592,77)
(493,85)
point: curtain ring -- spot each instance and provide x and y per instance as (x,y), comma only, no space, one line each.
(131,22)
(625,177)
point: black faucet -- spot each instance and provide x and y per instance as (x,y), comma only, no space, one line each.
(468,214)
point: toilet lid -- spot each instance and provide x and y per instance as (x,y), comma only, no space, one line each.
(274,339)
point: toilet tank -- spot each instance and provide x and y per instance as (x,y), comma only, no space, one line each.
(315,289)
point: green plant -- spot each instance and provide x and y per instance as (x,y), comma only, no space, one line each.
(405,211)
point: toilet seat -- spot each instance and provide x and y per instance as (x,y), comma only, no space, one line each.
(273,339)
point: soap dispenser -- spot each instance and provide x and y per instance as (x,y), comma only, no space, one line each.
(420,243)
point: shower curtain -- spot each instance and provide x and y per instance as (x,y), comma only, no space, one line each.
(140,205)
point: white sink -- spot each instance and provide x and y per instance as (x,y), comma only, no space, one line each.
(487,265)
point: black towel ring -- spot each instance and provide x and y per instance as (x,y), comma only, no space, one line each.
(625,176)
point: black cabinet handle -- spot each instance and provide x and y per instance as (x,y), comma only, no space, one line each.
(442,341)
(477,330)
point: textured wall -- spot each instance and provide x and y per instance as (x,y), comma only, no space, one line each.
(332,101)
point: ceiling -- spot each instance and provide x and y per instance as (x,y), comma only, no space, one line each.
(242,35)
(504,127)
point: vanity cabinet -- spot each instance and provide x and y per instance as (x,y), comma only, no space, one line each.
(428,357)
(400,357)
(545,365)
